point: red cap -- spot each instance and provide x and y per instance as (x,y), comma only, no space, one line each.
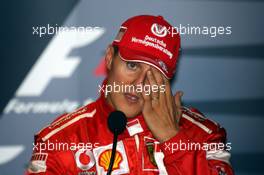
(151,40)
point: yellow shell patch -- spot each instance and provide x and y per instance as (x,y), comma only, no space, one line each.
(104,159)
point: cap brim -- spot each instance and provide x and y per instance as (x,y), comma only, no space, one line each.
(137,56)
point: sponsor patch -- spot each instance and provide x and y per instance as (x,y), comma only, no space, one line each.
(163,66)
(84,159)
(38,163)
(134,127)
(120,34)
(152,157)
(102,157)
(159,30)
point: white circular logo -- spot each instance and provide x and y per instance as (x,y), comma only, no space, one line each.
(88,153)
(159,30)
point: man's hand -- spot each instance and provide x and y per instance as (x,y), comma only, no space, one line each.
(161,110)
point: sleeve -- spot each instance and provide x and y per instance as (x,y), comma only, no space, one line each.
(52,151)
(183,156)
(44,161)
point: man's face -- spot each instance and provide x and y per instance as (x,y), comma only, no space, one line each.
(125,73)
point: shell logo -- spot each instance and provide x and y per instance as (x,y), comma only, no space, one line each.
(104,159)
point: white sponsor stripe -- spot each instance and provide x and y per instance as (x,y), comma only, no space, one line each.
(68,124)
(203,117)
(196,113)
(221,155)
(209,131)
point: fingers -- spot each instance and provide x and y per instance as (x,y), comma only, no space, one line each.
(168,92)
(178,105)
(154,91)
(178,96)
(147,99)
(152,82)
(158,77)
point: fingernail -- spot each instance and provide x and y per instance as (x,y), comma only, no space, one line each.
(149,73)
(181,93)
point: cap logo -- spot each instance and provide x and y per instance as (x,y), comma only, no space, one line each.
(163,66)
(159,30)
(120,34)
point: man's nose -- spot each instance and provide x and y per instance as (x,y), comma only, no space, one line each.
(140,79)
(142,76)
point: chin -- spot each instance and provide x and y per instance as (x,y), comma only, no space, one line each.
(130,111)
(131,115)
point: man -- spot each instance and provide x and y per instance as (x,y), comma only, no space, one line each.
(159,130)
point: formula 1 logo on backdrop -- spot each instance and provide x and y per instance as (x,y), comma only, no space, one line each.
(54,62)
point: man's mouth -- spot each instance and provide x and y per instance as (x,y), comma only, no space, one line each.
(132,98)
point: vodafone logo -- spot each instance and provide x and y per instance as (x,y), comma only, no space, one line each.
(84,159)
(159,30)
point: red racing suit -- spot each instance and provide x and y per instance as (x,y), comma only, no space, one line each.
(80,143)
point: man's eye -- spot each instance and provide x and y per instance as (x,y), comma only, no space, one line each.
(132,65)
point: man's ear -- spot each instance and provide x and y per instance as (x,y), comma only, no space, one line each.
(109,55)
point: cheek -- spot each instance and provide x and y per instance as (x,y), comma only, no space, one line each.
(120,74)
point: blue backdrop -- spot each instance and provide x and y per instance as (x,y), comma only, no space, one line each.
(221,74)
